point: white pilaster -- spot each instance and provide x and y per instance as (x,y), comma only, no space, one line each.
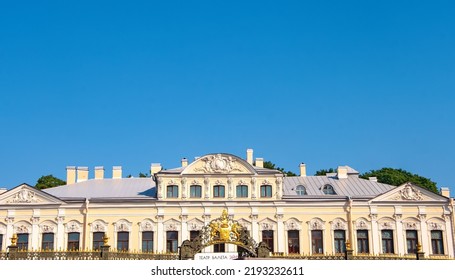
(280,236)
(400,235)
(424,231)
(184,225)
(60,242)
(160,242)
(449,235)
(375,234)
(35,233)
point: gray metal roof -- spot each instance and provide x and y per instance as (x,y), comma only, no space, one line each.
(107,188)
(351,186)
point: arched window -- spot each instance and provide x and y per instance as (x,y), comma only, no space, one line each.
(242,191)
(300,190)
(172,191)
(328,189)
(195,191)
(218,191)
(266,191)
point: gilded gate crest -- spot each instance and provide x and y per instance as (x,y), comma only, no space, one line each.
(224,230)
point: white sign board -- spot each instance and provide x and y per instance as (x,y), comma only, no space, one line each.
(216,256)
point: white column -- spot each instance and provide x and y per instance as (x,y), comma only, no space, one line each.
(230,188)
(35,233)
(253,188)
(424,231)
(184,230)
(254,227)
(375,234)
(60,242)
(184,189)
(401,250)
(9,230)
(280,233)
(206,188)
(160,242)
(449,236)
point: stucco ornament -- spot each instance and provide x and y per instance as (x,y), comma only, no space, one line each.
(24,196)
(218,164)
(409,193)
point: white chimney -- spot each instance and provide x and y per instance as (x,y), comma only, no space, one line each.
(184,162)
(116,172)
(445,192)
(302,168)
(373,179)
(249,156)
(342,172)
(99,172)
(155,168)
(260,162)
(70,175)
(82,173)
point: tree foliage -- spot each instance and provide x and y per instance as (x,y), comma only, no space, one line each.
(398,177)
(271,165)
(48,181)
(323,172)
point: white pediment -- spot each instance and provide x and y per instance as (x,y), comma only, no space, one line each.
(409,192)
(27,195)
(219,164)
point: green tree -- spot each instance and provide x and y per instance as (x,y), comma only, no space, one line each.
(323,172)
(271,165)
(48,181)
(396,177)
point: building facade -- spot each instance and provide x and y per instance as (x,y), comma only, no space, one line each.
(292,215)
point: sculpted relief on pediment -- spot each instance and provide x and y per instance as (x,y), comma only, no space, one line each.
(218,164)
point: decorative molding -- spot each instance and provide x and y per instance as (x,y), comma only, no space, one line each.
(373,217)
(266,182)
(422,217)
(98,226)
(47,229)
(338,224)
(24,196)
(195,224)
(122,225)
(60,219)
(362,224)
(34,220)
(218,164)
(409,193)
(254,217)
(435,226)
(386,224)
(73,226)
(292,224)
(159,218)
(279,217)
(411,225)
(9,220)
(22,229)
(184,218)
(195,182)
(397,216)
(146,226)
(219,182)
(172,225)
(316,224)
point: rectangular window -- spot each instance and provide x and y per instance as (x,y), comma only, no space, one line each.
(195,191)
(218,191)
(266,191)
(293,242)
(172,191)
(267,238)
(387,242)
(123,238)
(411,241)
(194,234)
(73,241)
(147,241)
(22,241)
(242,191)
(363,246)
(98,240)
(339,238)
(47,244)
(172,238)
(437,244)
(316,242)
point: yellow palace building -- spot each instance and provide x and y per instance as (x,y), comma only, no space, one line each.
(292,215)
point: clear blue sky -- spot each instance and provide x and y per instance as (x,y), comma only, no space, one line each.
(368,84)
